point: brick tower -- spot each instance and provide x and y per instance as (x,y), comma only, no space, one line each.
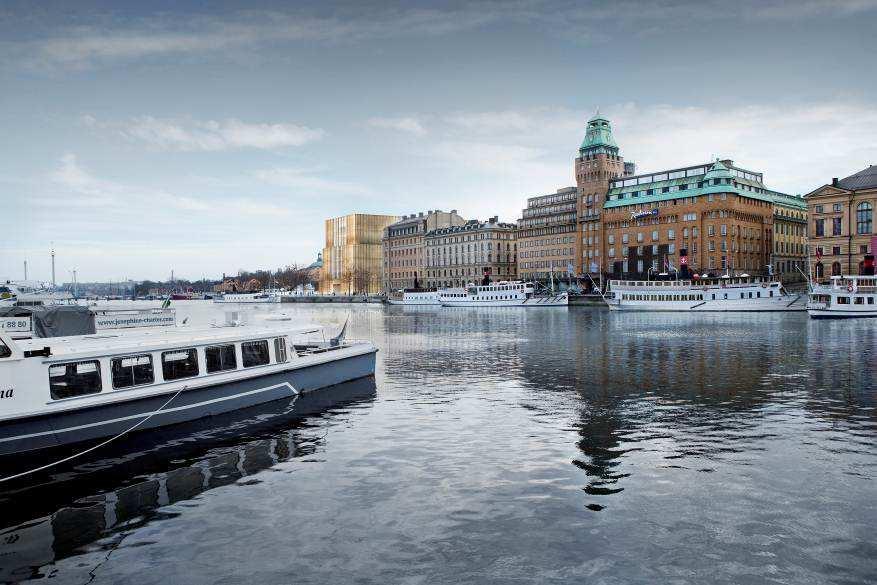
(598,162)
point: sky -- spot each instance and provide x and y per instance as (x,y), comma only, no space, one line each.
(208,137)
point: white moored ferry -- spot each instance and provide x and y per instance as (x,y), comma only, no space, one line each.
(414,296)
(844,297)
(739,293)
(60,390)
(259,297)
(501,294)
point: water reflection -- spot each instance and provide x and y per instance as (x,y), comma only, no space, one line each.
(204,455)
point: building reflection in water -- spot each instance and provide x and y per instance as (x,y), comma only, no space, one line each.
(686,389)
(32,544)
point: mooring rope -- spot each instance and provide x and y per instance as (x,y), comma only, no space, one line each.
(99,445)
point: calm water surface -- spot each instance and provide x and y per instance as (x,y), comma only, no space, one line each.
(498,446)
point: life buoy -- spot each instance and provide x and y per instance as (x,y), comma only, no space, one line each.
(763,285)
(849,288)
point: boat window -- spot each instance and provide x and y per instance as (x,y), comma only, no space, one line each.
(860,300)
(179,363)
(5,352)
(134,370)
(74,379)
(220,358)
(771,293)
(255,353)
(280,349)
(843,300)
(870,300)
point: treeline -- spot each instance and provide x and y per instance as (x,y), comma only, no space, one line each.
(286,277)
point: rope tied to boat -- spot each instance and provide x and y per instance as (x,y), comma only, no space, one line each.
(99,445)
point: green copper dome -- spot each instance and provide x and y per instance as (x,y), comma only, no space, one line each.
(598,136)
(718,171)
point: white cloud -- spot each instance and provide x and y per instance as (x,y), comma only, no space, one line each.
(798,147)
(403,124)
(110,39)
(215,135)
(301,179)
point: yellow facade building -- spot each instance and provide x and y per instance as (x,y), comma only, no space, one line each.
(352,255)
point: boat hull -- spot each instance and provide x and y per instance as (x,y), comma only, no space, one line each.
(556,301)
(838,314)
(709,307)
(96,422)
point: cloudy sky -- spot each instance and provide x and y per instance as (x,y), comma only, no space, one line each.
(208,137)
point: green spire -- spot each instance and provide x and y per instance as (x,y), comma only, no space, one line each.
(598,136)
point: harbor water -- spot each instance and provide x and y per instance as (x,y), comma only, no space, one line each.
(562,445)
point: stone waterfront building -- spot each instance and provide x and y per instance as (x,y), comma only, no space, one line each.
(403,256)
(458,255)
(352,255)
(724,216)
(547,236)
(842,223)
(721,214)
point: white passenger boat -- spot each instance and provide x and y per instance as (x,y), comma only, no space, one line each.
(501,294)
(844,297)
(414,296)
(29,293)
(61,390)
(725,294)
(257,297)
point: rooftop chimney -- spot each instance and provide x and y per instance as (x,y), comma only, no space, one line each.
(453,211)
(420,214)
(834,182)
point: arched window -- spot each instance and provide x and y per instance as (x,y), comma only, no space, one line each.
(835,269)
(863,218)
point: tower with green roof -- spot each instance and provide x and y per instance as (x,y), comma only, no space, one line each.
(597,163)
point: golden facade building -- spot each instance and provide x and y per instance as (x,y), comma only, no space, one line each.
(842,229)
(547,236)
(458,255)
(352,255)
(404,256)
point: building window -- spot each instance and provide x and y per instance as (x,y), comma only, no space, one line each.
(817,209)
(863,218)
(654,235)
(220,358)
(835,226)
(178,364)
(611,239)
(835,250)
(671,234)
(820,227)
(835,269)
(74,379)
(835,207)
(255,353)
(134,370)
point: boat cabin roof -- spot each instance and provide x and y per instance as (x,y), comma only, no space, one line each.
(700,282)
(121,342)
